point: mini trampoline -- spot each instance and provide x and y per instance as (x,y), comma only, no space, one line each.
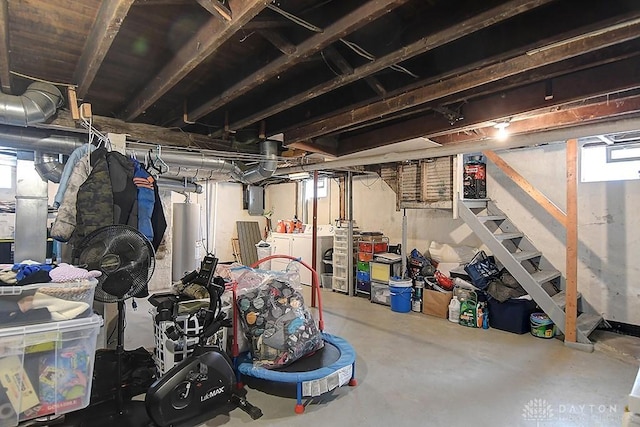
(335,362)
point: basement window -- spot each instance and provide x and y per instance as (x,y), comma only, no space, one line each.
(322,188)
(612,161)
(7,170)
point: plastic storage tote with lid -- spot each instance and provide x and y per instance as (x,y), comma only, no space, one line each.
(46,369)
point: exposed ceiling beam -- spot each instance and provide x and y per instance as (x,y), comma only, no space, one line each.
(211,36)
(566,117)
(358,18)
(547,73)
(623,124)
(531,60)
(103,32)
(216,8)
(5,67)
(425,44)
(332,54)
(605,79)
(139,132)
(278,40)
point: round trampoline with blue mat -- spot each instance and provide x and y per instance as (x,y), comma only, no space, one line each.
(333,363)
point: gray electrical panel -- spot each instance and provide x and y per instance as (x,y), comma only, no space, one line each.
(255,200)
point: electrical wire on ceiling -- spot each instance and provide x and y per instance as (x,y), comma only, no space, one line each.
(35,79)
(353,46)
(293,18)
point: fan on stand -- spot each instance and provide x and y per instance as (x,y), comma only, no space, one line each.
(127,260)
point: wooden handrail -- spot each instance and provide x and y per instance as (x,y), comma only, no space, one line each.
(526,186)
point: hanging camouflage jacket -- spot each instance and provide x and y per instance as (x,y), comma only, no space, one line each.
(95,198)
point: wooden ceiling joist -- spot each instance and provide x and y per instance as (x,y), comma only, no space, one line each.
(278,41)
(564,117)
(520,64)
(5,67)
(606,79)
(425,44)
(341,28)
(140,132)
(103,32)
(217,8)
(211,36)
(332,54)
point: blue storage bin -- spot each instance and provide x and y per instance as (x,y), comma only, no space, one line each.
(363,276)
(513,315)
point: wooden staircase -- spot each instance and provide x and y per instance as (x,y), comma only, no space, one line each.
(527,264)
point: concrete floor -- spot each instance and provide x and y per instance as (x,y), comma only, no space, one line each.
(418,370)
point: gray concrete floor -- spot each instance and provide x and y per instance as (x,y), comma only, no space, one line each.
(417,370)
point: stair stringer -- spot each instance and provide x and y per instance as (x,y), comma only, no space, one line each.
(514,250)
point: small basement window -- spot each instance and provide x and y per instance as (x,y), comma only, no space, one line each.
(7,170)
(323,184)
(6,177)
(610,161)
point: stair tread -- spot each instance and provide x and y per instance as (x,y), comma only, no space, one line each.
(524,255)
(485,218)
(588,322)
(544,276)
(507,236)
(561,298)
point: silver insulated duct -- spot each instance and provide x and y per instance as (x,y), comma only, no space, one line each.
(48,166)
(265,168)
(35,105)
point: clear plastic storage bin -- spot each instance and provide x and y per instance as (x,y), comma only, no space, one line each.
(46,302)
(46,369)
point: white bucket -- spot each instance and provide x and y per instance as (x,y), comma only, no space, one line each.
(399,282)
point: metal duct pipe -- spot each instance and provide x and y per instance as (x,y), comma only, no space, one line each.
(267,167)
(179,186)
(181,164)
(35,105)
(32,139)
(48,167)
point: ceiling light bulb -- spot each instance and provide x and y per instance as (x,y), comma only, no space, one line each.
(502,132)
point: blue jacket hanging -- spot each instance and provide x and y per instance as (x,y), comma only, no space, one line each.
(146,199)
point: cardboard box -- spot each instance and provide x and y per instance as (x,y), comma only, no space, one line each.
(436,303)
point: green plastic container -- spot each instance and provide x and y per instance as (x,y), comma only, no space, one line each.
(363,266)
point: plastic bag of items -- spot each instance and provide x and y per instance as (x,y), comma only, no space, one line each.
(279,327)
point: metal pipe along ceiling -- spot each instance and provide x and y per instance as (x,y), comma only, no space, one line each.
(181,165)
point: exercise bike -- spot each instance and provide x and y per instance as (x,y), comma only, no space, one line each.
(205,379)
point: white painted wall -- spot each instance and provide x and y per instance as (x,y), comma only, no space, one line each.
(608,225)
(225,210)
(374,209)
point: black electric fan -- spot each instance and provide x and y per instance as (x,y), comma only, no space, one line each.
(127,260)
